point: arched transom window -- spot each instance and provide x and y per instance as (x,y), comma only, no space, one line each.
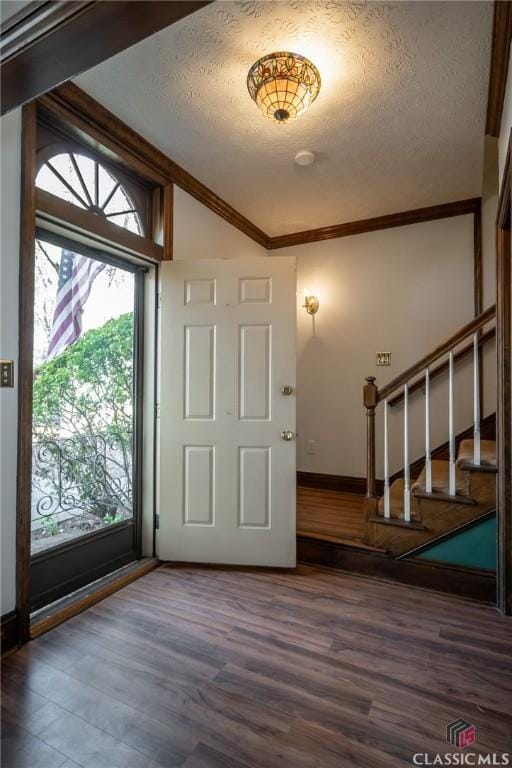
(86,183)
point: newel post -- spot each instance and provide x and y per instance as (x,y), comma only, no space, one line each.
(370,392)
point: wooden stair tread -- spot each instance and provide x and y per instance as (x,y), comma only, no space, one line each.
(440,482)
(468,466)
(414,524)
(396,495)
(487,455)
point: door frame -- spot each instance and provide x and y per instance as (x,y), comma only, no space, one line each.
(504,377)
(148,250)
(130,530)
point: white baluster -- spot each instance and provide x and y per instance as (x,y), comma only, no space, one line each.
(407,492)
(387,500)
(428,456)
(476,402)
(451,437)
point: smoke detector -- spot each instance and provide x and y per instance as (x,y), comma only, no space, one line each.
(304,157)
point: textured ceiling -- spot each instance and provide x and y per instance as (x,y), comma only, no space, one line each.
(399,122)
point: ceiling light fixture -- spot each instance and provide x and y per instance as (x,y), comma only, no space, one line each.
(283,85)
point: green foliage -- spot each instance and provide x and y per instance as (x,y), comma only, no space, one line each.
(109,518)
(82,410)
(87,389)
(50,525)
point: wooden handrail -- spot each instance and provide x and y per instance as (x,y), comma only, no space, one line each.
(442,349)
(439,369)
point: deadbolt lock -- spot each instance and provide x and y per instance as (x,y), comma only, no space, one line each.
(287,390)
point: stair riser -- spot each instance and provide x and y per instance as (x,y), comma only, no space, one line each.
(445,497)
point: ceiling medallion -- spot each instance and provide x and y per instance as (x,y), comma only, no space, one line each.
(283,85)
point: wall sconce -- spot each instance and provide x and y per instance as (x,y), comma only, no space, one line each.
(311,303)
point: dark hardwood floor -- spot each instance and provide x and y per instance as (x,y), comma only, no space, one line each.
(224,668)
(330,515)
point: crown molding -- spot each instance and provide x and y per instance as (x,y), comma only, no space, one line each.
(93,124)
(401,219)
(501,37)
(83,32)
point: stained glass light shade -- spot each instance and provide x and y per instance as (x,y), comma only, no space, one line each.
(86,183)
(283,85)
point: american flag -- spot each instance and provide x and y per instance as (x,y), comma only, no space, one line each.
(76,276)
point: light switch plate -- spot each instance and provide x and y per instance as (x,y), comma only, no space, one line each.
(383,358)
(6,373)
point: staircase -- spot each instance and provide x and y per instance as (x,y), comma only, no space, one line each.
(431,502)
(448,494)
(436,512)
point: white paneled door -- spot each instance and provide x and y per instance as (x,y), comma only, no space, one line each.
(227,411)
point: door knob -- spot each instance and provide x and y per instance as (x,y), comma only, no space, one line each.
(287,435)
(287,390)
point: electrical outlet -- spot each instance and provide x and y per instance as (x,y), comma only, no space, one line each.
(311,446)
(6,373)
(383,358)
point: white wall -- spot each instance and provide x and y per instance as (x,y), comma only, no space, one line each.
(201,234)
(10,128)
(401,290)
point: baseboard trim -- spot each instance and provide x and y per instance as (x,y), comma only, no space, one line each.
(343,483)
(472,584)
(61,610)
(10,632)
(348,484)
